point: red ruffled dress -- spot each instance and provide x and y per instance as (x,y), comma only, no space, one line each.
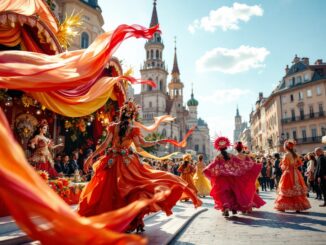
(292,190)
(120,178)
(233,183)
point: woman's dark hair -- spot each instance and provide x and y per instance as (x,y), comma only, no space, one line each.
(200,157)
(124,123)
(225,154)
(291,150)
(239,146)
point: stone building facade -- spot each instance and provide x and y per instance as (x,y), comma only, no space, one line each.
(91,17)
(239,126)
(167,98)
(294,110)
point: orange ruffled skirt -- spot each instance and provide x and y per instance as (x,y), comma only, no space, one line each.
(120,180)
(292,192)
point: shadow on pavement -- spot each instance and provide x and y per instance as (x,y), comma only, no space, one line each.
(274,220)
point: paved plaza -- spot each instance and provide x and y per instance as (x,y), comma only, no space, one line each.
(263,226)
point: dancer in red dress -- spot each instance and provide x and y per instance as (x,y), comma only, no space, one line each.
(232,180)
(120,178)
(42,157)
(292,190)
(247,179)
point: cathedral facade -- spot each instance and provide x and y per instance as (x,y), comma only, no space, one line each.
(168,98)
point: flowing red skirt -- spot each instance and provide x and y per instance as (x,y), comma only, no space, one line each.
(237,192)
(120,180)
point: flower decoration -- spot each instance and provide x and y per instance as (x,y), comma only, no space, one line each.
(81,125)
(44,174)
(221,143)
(129,109)
(27,101)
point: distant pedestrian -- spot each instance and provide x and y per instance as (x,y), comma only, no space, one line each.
(320,174)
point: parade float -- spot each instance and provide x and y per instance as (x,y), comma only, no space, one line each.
(33,27)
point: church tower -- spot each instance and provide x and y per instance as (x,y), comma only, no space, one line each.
(192,105)
(153,100)
(238,126)
(175,85)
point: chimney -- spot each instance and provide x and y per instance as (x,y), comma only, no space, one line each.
(260,97)
(305,61)
(319,62)
(296,59)
(287,69)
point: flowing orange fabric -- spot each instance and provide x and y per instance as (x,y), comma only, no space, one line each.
(10,36)
(44,216)
(49,78)
(120,178)
(156,124)
(29,8)
(292,190)
(183,142)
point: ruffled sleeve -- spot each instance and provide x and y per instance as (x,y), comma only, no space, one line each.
(285,163)
(135,132)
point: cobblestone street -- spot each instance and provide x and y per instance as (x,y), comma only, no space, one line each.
(263,226)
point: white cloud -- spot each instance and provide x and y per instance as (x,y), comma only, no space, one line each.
(232,60)
(220,126)
(225,96)
(226,18)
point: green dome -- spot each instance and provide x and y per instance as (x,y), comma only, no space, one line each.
(192,101)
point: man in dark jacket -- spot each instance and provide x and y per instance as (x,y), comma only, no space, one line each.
(320,173)
(277,168)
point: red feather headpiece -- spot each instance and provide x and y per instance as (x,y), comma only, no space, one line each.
(221,143)
(289,144)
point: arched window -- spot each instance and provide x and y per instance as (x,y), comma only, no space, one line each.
(161,85)
(84,40)
(149,88)
(147,54)
(152,54)
(163,133)
(157,55)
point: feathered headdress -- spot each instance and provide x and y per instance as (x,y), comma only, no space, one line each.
(187,157)
(130,108)
(221,143)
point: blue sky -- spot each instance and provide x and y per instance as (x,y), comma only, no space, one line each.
(230,50)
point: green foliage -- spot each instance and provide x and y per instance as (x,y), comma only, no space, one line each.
(153,137)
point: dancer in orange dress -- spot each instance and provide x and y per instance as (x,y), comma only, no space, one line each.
(120,178)
(187,172)
(292,190)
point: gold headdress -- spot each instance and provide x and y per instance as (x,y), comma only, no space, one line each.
(129,109)
(187,157)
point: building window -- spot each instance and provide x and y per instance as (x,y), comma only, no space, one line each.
(164,133)
(84,40)
(147,54)
(287,135)
(160,55)
(285,114)
(150,104)
(314,134)
(321,110)
(309,93)
(301,113)
(152,54)
(300,96)
(196,148)
(323,131)
(161,85)
(304,134)
(291,97)
(299,80)
(292,115)
(293,81)
(283,99)
(157,54)
(306,77)
(318,90)
(294,133)
(311,111)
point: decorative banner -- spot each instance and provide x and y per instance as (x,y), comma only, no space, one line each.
(182,143)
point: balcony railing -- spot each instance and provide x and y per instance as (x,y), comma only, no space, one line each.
(306,140)
(303,117)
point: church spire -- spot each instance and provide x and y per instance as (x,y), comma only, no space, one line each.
(175,61)
(238,114)
(154,20)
